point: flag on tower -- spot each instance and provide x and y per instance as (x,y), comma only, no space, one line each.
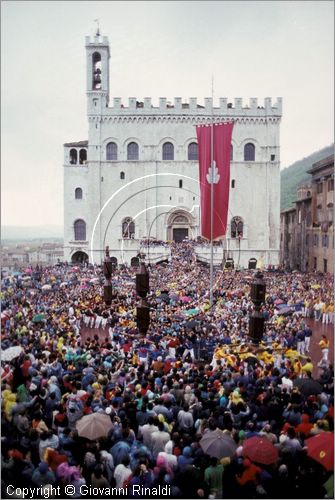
(216,170)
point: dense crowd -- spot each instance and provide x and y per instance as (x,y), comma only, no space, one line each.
(195,375)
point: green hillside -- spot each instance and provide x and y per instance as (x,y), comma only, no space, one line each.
(294,175)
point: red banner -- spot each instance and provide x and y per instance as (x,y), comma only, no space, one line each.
(220,177)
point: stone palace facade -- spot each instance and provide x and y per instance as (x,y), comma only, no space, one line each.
(136,177)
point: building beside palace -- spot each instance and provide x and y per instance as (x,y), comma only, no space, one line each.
(307,231)
(136,177)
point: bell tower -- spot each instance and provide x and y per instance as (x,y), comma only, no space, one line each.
(97,68)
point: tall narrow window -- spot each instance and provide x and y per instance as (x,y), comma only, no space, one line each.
(236,227)
(128,228)
(80,230)
(231,152)
(233,183)
(180,183)
(331,185)
(78,194)
(249,152)
(82,156)
(192,153)
(73,156)
(96,60)
(132,151)
(111,151)
(122,176)
(168,151)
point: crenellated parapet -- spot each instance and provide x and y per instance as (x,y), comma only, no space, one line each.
(237,108)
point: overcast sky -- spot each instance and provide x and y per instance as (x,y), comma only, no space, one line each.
(158,49)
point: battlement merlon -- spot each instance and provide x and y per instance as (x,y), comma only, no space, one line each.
(96,40)
(192,107)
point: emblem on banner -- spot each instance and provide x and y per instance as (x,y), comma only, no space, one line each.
(216,175)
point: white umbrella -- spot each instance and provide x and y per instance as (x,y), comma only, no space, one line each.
(94,426)
(63,284)
(94,280)
(46,287)
(11,353)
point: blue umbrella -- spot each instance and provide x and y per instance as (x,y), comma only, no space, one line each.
(119,451)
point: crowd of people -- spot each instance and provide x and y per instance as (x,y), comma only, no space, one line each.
(67,355)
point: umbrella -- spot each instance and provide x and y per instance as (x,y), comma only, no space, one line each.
(218,444)
(285,311)
(329,486)
(94,426)
(186,299)
(46,287)
(278,301)
(308,386)
(28,270)
(38,317)
(192,324)
(16,273)
(64,283)
(260,450)
(11,353)
(190,312)
(95,280)
(321,449)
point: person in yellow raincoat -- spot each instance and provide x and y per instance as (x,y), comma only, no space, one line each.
(9,401)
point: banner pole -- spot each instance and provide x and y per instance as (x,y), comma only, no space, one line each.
(212,200)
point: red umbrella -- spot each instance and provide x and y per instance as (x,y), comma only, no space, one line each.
(321,449)
(261,450)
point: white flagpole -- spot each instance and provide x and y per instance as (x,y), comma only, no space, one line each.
(212,201)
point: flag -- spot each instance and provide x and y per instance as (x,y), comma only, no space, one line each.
(221,177)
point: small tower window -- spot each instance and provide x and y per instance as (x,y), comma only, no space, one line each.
(132,151)
(122,176)
(249,152)
(73,156)
(111,151)
(231,152)
(180,183)
(80,230)
(96,60)
(192,153)
(168,151)
(233,183)
(78,194)
(273,157)
(128,228)
(82,156)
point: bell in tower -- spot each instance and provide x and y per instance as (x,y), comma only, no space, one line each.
(96,71)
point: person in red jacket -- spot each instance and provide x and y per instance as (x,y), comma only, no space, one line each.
(305,426)
(251,473)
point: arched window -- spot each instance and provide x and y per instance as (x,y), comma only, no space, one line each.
(249,152)
(132,151)
(80,230)
(128,228)
(96,60)
(168,151)
(122,176)
(82,156)
(111,151)
(236,227)
(78,194)
(231,152)
(192,153)
(73,156)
